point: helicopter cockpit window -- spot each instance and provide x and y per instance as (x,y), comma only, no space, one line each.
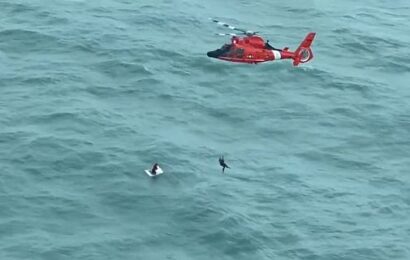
(224,49)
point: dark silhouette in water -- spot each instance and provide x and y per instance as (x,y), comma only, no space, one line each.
(154,169)
(223,164)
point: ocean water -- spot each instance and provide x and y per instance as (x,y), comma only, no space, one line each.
(94,92)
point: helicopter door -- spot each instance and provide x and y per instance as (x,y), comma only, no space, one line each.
(239,53)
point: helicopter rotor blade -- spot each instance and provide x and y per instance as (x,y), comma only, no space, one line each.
(233,27)
(226,34)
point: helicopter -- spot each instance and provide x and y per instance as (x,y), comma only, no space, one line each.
(251,48)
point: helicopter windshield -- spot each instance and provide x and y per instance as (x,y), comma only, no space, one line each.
(220,52)
(226,47)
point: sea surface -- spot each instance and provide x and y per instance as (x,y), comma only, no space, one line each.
(94,92)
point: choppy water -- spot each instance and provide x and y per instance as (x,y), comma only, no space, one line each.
(93,92)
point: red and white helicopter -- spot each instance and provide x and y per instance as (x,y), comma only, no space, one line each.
(251,48)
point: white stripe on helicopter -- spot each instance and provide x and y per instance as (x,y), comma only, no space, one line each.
(276,54)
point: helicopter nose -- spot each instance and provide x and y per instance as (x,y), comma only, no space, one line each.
(212,54)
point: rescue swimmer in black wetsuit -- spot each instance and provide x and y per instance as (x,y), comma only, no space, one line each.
(154,169)
(223,164)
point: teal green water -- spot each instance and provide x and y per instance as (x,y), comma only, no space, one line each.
(93,92)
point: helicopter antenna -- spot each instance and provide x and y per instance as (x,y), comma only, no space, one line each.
(243,31)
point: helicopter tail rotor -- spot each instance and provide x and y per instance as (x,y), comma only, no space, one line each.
(304,53)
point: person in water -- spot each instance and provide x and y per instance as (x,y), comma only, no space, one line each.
(154,169)
(223,164)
